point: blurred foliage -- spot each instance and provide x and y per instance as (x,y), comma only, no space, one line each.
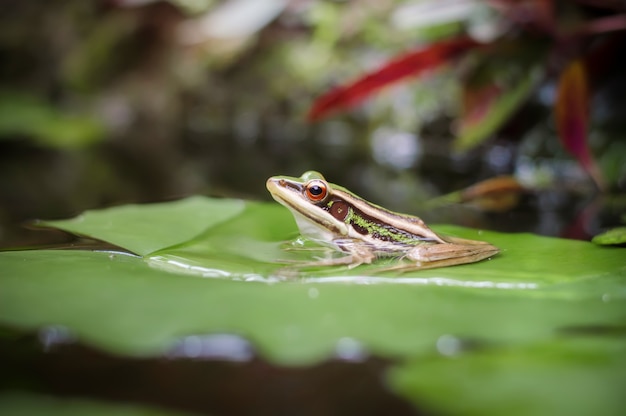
(589,373)
(614,236)
(29,117)
(29,404)
(556,34)
(172,98)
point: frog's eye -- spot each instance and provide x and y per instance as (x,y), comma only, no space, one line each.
(316,190)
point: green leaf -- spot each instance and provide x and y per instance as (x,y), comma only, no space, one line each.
(30,116)
(141,307)
(496,85)
(117,303)
(566,377)
(144,229)
(611,237)
(230,237)
(499,110)
(103,48)
(538,295)
(571,116)
(23,404)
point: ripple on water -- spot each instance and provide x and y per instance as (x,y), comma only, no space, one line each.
(180,265)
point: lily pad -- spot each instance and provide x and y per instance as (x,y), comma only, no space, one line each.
(118,303)
(566,377)
(538,292)
(611,237)
(143,229)
(218,237)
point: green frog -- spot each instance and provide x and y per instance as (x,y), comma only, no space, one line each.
(332,215)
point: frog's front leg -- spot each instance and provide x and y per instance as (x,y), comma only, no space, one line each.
(357,253)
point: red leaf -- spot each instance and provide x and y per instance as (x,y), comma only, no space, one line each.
(572,117)
(404,66)
(477,102)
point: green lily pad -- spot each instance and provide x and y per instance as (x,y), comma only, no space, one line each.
(220,237)
(566,377)
(213,266)
(611,237)
(143,229)
(157,306)
(117,303)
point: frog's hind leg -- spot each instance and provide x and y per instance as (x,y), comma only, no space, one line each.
(442,255)
(454,253)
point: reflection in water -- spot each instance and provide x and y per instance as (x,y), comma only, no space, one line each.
(313,293)
(231,347)
(114,253)
(449,345)
(55,335)
(182,266)
(349,349)
(436,281)
(228,347)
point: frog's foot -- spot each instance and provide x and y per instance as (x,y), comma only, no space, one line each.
(444,255)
